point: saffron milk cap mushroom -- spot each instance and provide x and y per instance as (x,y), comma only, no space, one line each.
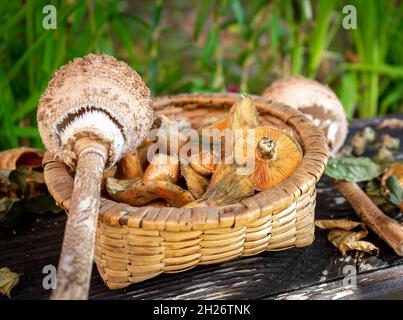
(195,182)
(317,101)
(275,154)
(226,187)
(163,167)
(129,166)
(95,110)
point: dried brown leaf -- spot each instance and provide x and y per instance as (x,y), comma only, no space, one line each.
(396,169)
(392,123)
(360,140)
(344,239)
(337,223)
(390,142)
(8,280)
(349,240)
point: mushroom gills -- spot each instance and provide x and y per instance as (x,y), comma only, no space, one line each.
(273,154)
(92,122)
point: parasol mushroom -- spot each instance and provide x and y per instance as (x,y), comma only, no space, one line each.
(21,157)
(275,155)
(95,110)
(317,101)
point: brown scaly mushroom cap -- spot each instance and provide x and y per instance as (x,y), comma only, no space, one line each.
(113,106)
(316,100)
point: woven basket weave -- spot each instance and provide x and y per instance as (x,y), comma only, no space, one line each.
(137,243)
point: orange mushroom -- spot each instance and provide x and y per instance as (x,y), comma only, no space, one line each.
(129,167)
(168,134)
(317,101)
(173,194)
(162,168)
(195,182)
(220,124)
(136,192)
(226,187)
(203,163)
(274,153)
(243,114)
(130,191)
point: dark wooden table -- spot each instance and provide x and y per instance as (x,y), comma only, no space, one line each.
(314,272)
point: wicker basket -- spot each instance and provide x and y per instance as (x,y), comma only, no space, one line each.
(137,243)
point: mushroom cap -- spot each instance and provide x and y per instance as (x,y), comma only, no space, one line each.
(269,169)
(204,162)
(130,191)
(220,124)
(173,194)
(243,114)
(136,192)
(195,182)
(96,96)
(316,100)
(163,167)
(227,186)
(129,167)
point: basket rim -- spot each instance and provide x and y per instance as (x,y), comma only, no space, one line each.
(270,201)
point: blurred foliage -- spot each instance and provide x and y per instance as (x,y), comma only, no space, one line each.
(204,46)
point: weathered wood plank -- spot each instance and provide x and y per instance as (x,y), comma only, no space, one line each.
(386,282)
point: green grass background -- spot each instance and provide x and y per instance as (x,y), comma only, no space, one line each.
(204,46)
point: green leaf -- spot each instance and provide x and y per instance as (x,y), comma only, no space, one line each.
(395,194)
(18,177)
(353,169)
(211,45)
(201,17)
(238,11)
(41,204)
(348,93)
(12,211)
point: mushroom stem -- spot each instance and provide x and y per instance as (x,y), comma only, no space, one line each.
(75,264)
(267,148)
(385,227)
